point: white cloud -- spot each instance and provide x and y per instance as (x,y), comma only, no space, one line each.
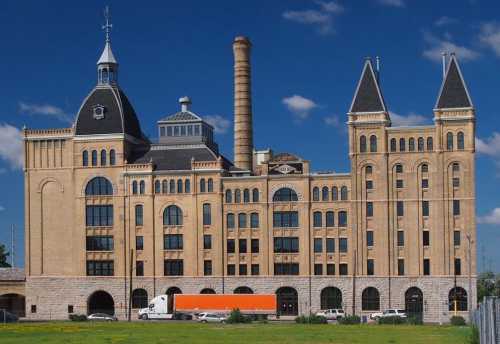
(409,120)
(299,106)
(11,146)
(489,146)
(493,218)
(444,21)
(45,110)
(220,124)
(332,121)
(490,36)
(437,46)
(322,17)
(393,3)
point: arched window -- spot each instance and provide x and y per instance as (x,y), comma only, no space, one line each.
(393,145)
(242,220)
(449,141)
(207,214)
(285,195)
(157,186)
(370,299)
(342,220)
(335,194)
(460,140)
(457,298)
(362,144)
(456,167)
(142,187)
(246,196)
(343,193)
(172,186)
(103,158)
(324,193)
(207,291)
(210,185)
(254,220)
(255,195)
(202,185)
(315,194)
(420,144)
(187,186)
(94,158)
(164,186)
(139,298)
(237,196)
(331,298)
(230,220)
(172,216)
(425,168)
(112,157)
(430,145)
(317,219)
(99,186)
(402,145)
(330,219)
(139,215)
(368,169)
(373,143)
(134,187)
(229,196)
(411,144)
(85,158)
(180,184)
(243,290)
(398,168)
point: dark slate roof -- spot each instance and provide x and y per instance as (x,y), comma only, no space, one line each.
(119,116)
(453,93)
(368,97)
(181,116)
(12,274)
(173,159)
(284,157)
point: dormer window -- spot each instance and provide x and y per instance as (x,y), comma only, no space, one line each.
(98,111)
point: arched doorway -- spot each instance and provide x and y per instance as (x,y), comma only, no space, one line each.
(457,299)
(414,303)
(331,297)
(370,299)
(243,290)
(288,301)
(13,303)
(207,291)
(101,302)
(139,298)
(170,293)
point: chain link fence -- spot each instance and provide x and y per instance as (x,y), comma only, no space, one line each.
(487,320)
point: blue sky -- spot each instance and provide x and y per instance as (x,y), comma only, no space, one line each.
(307,57)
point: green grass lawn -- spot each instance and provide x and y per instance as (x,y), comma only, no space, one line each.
(172,333)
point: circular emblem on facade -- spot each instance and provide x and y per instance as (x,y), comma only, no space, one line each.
(98,111)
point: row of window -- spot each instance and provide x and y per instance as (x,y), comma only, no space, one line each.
(246,196)
(330,219)
(99,159)
(411,144)
(242,220)
(330,245)
(171,186)
(242,246)
(325,194)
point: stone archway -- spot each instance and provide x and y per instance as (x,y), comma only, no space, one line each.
(243,290)
(414,302)
(288,301)
(101,302)
(331,297)
(13,303)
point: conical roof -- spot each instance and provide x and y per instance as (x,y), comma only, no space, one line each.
(107,56)
(368,97)
(453,93)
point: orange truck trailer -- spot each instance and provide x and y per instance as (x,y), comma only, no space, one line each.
(225,303)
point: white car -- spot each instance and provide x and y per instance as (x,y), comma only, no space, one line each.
(101,317)
(331,314)
(211,317)
(389,313)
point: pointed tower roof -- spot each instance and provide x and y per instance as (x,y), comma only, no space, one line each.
(107,56)
(453,93)
(368,97)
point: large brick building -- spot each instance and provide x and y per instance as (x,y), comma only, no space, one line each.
(101,200)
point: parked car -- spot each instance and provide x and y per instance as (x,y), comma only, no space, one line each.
(331,314)
(388,313)
(102,317)
(211,317)
(182,316)
(7,317)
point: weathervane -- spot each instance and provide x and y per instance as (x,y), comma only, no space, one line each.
(108,26)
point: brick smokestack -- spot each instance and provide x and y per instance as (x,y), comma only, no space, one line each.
(243,133)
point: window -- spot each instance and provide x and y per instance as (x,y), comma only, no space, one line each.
(99,243)
(255,195)
(139,243)
(318,269)
(318,245)
(324,194)
(456,167)
(172,216)
(202,185)
(237,196)
(94,158)
(399,168)
(369,209)
(134,187)
(330,269)
(230,220)
(425,238)
(399,183)
(246,196)
(362,144)
(157,186)
(173,267)
(343,270)
(456,238)
(207,268)
(369,169)
(187,186)
(370,299)
(142,187)
(449,141)
(254,220)
(242,245)
(343,245)
(420,144)
(285,195)
(85,158)
(425,208)
(179,185)
(70,309)
(330,219)
(373,143)
(427,267)
(456,182)
(286,245)
(343,193)
(112,157)
(317,219)
(425,183)
(286,269)
(172,186)
(99,186)
(172,242)
(210,185)
(255,269)
(242,220)
(229,196)
(231,270)
(402,145)
(286,219)
(342,221)
(99,215)
(100,268)
(370,267)
(411,144)
(369,184)
(401,267)
(207,214)
(230,246)
(425,168)
(139,218)
(456,207)
(393,145)
(457,298)
(103,158)
(315,194)
(164,186)
(400,208)
(254,245)
(369,238)
(330,245)
(139,268)
(460,140)
(458,267)
(335,194)
(430,145)
(33,308)
(401,238)
(242,269)
(207,242)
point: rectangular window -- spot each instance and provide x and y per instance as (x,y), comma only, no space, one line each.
(318,245)
(401,238)
(255,245)
(343,271)
(286,245)
(369,238)
(183,130)
(285,219)
(400,208)
(139,218)
(286,269)
(242,220)
(425,183)
(318,269)
(458,267)
(177,130)
(369,184)
(207,214)
(169,131)
(330,269)
(399,183)
(207,268)
(425,208)
(330,245)
(427,267)
(230,246)
(401,267)
(173,267)
(100,243)
(369,209)
(242,245)
(139,243)
(33,308)
(231,270)
(255,269)
(243,269)
(456,238)
(70,309)
(172,242)
(456,207)
(190,130)
(139,268)
(425,238)
(100,268)
(370,267)
(99,215)
(317,217)
(207,242)
(254,220)
(330,219)
(456,182)
(343,245)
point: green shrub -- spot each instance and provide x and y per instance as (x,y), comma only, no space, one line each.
(474,335)
(77,317)
(392,320)
(311,319)
(457,320)
(349,320)
(414,320)
(236,317)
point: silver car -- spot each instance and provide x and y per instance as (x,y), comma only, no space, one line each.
(211,317)
(102,317)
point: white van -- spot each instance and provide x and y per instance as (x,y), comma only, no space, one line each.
(157,309)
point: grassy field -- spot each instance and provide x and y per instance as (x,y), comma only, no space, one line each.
(173,333)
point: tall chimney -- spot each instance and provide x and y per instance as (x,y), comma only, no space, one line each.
(243,133)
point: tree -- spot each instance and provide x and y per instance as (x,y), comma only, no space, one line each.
(3,257)
(487,285)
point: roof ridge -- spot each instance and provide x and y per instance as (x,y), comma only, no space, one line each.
(368,96)
(453,92)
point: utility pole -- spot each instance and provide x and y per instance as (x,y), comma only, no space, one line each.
(130,284)
(469,299)
(12,254)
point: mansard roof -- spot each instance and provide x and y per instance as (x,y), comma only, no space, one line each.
(368,97)
(453,93)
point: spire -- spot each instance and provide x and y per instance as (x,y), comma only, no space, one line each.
(107,66)
(453,93)
(368,97)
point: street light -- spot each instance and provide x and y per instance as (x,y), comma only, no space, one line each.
(469,242)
